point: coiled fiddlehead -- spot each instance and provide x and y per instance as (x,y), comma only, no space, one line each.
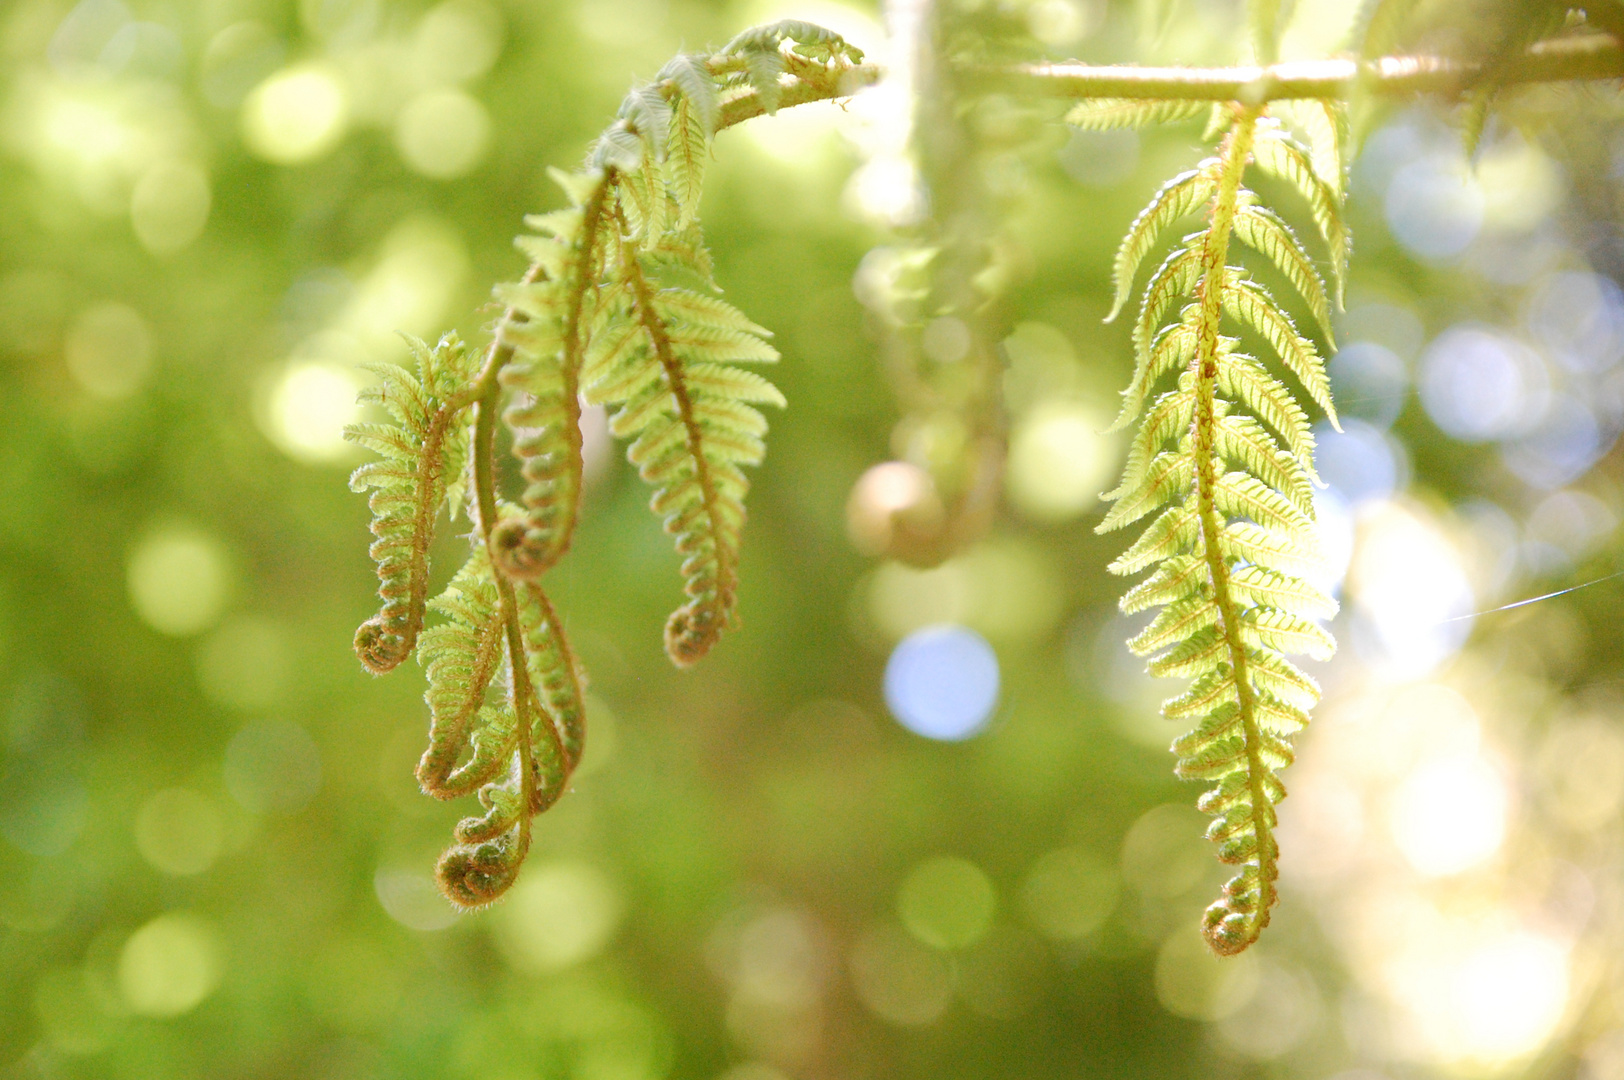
(596,310)
(1226,457)
(419,471)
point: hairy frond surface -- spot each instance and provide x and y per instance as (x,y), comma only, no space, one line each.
(1222,466)
(420,461)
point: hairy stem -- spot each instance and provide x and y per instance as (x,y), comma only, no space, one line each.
(1214,258)
(1588,56)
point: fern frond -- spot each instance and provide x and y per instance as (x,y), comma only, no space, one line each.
(664,361)
(546,330)
(1227,458)
(1108,114)
(420,464)
(1262,230)
(460,657)
(558,732)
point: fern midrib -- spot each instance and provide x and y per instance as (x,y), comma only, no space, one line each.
(1214,258)
(643,298)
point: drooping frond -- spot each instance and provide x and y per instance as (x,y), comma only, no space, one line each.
(546,328)
(460,657)
(517,733)
(665,360)
(1222,465)
(559,724)
(1281,156)
(419,470)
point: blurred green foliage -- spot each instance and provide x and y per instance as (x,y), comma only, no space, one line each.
(213,859)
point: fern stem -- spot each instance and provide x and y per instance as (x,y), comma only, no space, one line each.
(1214,259)
(523,694)
(1587,56)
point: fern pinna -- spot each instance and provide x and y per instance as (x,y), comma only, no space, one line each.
(618,307)
(1224,460)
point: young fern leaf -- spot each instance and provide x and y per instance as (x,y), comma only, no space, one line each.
(419,471)
(665,360)
(519,767)
(544,329)
(1224,461)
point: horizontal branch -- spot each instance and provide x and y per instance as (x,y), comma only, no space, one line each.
(813,82)
(1589,56)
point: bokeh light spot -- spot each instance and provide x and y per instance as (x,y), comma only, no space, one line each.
(109,350)
(308,408)
(1450,815)
(1058,462)
(458,39)
(899,980)
(272,766)
(942,682)
(179,831)
(1069,893)
(245,664)
(557,915)
(180,580)
(1435,206)
(947,902)
(1193,983)
(169,206)
(442,134)
(296,115)
(169,966)
(412,900)
(1163,853)
(1369,382)
(1477,384)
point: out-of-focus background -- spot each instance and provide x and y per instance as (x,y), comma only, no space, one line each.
(800,860)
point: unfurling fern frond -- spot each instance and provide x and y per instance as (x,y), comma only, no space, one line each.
(665,360)
(1223,465)
(617,302)
(518,750)
(590,315)
(545,329)
(419,471)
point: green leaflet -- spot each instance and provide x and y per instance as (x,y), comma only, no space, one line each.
(1177,198)
(419,471)
(1280,156)
(1262,230)
(1229,454)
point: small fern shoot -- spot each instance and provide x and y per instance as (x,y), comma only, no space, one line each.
(419,471)
(1224,460)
